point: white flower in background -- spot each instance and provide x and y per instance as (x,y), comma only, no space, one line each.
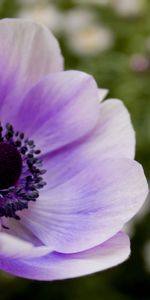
(43,14)
(84,35)
(91,40)
(32,2)
(76,19)
(128,7)
(97,2)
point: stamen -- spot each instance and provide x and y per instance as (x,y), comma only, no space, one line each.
(15,195)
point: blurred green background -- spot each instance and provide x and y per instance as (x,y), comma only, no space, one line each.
(109,39)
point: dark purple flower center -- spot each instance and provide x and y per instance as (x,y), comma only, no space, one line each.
(21,173)
(10,165)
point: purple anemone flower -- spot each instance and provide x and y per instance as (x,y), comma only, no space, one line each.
(68,179)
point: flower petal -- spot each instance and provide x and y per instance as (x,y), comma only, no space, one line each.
(34,53)
(112,137)
(102,94)
(13,247)
(89,208)
(60,103)
(61,266)
(28,52)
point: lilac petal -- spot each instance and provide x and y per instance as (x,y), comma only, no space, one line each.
(90,207)
(20,231)
(28,52)
(54,110)
(61,266)
(112,137)
(34,53)
(102,94)
(14,248)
